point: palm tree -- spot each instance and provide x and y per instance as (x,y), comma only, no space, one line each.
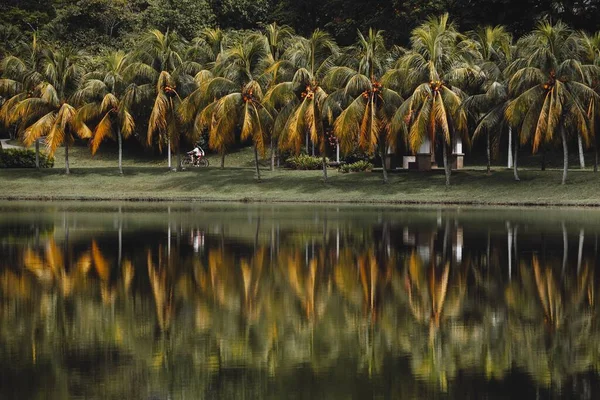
(111,98)
(440,59)
(366,120)
(162,52)
(49,106)
(591,55)
(495,48)
(303,116)
(278,36)
(241,108)
(20,76)
(240,65)
(549,90)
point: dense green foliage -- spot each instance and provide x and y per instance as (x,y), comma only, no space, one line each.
(23,158)
(303,162)
(92,23)
(357,166)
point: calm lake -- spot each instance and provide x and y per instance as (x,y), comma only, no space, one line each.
(225,301)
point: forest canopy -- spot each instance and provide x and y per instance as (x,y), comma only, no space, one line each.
(97,24)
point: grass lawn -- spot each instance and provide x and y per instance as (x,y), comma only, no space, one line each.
(147,178)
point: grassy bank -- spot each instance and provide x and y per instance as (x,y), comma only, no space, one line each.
(147,178)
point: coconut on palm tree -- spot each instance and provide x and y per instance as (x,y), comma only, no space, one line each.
(549,91)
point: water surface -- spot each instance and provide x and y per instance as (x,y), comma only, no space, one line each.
(194,301)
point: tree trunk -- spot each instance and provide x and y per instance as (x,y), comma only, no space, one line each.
(256,163)
(510,151)
(120,138)
(595,155)
(324,165)
(307,148)
(515,154)
(383,156)
(488,152)
(580,249)
(67,157)
(179,158)
(37,153)
(543,158)
(272,155)
(581,157)
(223,160)
(446,164)
(169,152)
(565,155)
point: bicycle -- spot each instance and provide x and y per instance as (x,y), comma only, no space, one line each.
(188,161)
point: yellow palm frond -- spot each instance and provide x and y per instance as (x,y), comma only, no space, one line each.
(40,128)
(100,263)
(103,131)
(127,124)
(109,102)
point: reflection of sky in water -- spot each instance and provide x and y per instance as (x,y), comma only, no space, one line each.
(208,301)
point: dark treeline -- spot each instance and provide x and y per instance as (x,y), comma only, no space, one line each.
(99,23)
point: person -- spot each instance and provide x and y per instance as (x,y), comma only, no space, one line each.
(196,154)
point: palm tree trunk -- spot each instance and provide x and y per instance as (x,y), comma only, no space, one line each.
(382,154)
(37,153)
(324,165)
(256,163)
(595,155)
(515,153)
(488,153)
(178,158)
(67,157)
(580,249)
(272,155)
(581,157)
(565,155)
(223,160)
(510,152)
(543,158)
(169,152)
(120,138)
(446,164)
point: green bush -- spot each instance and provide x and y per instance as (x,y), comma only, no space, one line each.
(23,158)
(356,167)
(304,161)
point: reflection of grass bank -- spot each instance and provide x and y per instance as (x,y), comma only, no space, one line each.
(147,179)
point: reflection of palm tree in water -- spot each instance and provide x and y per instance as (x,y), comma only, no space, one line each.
(51,267)
(428,292)
(365,269)
(162,289)
(306,281)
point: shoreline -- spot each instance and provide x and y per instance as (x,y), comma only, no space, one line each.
(247,200)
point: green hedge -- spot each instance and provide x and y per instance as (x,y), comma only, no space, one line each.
(23,158)
(356,167)
(304,161)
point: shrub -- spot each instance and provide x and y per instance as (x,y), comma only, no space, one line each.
(23,158)
(304,161)
(356,167)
